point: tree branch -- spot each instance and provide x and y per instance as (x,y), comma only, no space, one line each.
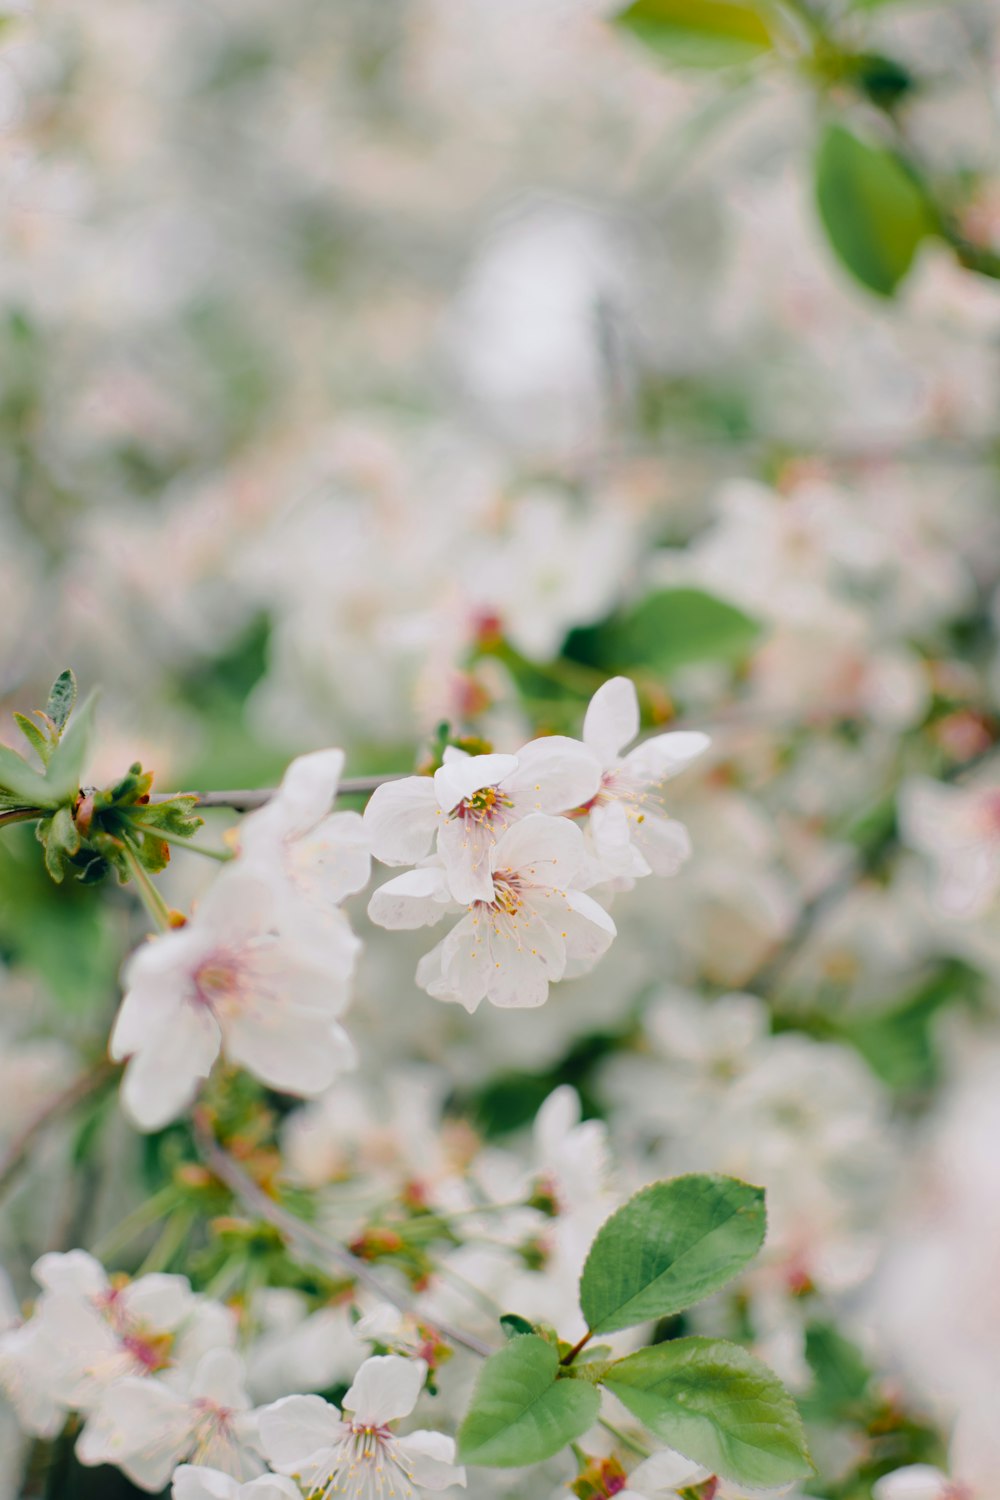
(310,1245)
(81,1088)
(248,798)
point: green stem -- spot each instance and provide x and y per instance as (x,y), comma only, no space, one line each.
(568,1359)
(134,1223)
(222,855)
(175,1232)
(149,895)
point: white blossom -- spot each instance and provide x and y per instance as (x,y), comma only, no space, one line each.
(356,1453)
(538,927)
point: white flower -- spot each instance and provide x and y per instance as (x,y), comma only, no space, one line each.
(87,1332)
(629,831)
(471,801)
(662,1476)
(312,857)
(536,929)
(959,828)
(146,1428)
(357,1454)
(197,1483)
(229,979)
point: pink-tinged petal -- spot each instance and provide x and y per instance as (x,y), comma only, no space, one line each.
(295,1428)
(466,849)
(417,899)
(432,1460)
(544,850)
(401,819)
(665,756)
(462,776)
(915,1482)
(385,1388)
(612,719)
(221,1377)
(196,1483)
(292,1048)
(664,842)
(163,1076)
(554,775)
(308,789)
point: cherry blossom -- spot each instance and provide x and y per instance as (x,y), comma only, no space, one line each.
(147,1427)
(959,829)
(629,833)
(471,801)
(311,856)
(193,1482)
(356,1453)
(537,928)
(229,980)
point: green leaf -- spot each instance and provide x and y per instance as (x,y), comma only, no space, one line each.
(24,784)
(873,209)
(717,1405)
(669,629)
(671,1245)
(521,1413)
(39,741)
(515,1327)
(70,755)
(62,698)
(841,1378)
(699,33)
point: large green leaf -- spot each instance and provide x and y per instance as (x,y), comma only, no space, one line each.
(699,33)
(717,1405)
(874,211)
(671,1245)
(669,629)
(521,1413)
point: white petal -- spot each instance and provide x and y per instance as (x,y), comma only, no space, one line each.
(455,969)
(458,779)
(141,1426)
(160,1302)
(401,818)
(554,775)
(162,1079)
(612,719)
(466,849)
(191,1483)
(385,1388)
(221,1377)
(339,860)
(664,842)
(238,906)
(517,979)
(916,1482)
(432,1460)
(74,1271)
(296,1427)
(611,830)
(665,1473)
(308,788)
(546,851)
(665,755)
(417,899)
(589,932)
(293,1048)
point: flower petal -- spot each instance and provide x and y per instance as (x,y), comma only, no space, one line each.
(417,899)
(665,755)
(295,1428)
(385,1388)
(432,1460)
(401,818)
(612,719)
(460,777)
(554,774)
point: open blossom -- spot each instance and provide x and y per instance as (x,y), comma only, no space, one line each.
(537,928)
(959,828)
(356,1454)
(973,1459)
(470,802)
(87,1332)
(232,980)
(193,1482)
(312,857)
(629,832)
(146,1427)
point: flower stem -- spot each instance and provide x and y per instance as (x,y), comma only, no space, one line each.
(624,1439)
(222,855)
(149,895)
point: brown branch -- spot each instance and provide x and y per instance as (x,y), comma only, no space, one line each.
(308,1243)
(80,1089)
(246,799)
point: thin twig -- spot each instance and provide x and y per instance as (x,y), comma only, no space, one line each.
(81,1088)
(248,798)
(309,1244)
